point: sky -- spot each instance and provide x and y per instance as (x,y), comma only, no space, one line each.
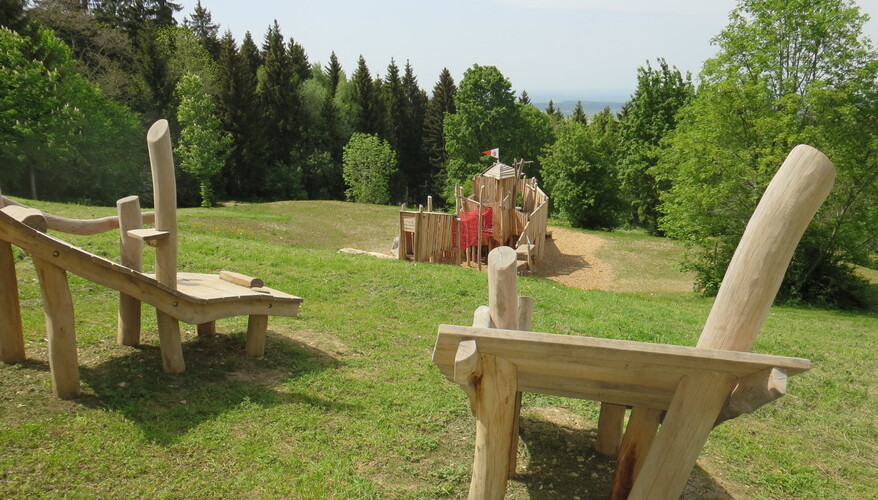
(563,49)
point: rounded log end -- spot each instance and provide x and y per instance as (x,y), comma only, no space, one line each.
(502,257)
(157,131)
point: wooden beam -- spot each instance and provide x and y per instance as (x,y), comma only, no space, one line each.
(58,305)
(131,256)
(241,279)
(495,406)
(503,288)
(11,334)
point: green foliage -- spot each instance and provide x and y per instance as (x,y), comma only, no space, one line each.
(646,119)
(59,133)
(486,118)
(369,163)
(203,147)
(441,104)
(785,74)
(579,174)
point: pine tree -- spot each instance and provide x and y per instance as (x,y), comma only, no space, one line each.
(413,160)
(333,71)
(368,119)
(299,61)
(239,115)
(281,105)
(440,105)
(524,99)
(201,23)
(579,114)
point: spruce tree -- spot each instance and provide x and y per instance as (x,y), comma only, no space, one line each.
(440,105)
(368,119)
(201,23)
(281,105)
(333,71)
(524,99)
(413,161)
(299,61)
(579,114)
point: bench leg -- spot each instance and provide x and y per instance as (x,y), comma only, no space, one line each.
(58,304)
(689,420)
(635,445)
(206,329)
(129,321)
(495,421)
(257,327)
(11,335)
(513,446)
(169,340)
(610,424)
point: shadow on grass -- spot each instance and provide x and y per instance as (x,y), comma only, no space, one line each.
(219,377)
(562,463)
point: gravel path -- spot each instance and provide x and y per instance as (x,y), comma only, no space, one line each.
(570,259)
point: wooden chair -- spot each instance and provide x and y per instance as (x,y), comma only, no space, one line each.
(677,393)
(194,298)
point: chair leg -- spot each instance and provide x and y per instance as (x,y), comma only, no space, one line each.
(11,335)
(58,304)
(257,328)
(495,408)
(689,420)
(610,424)
(638,439)
(206,329)
(169,339)
(129,321)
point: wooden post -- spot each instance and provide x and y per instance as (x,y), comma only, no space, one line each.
(11,334)
(131,256)
(58,304)
(634,448)
(257,329)
(503,288)
(689,420)
(747,292)
(429,203)
(495,391)
(164,191)
(610,425)
(479,239)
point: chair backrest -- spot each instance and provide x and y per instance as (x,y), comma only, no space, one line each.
(758,266)
(164,191)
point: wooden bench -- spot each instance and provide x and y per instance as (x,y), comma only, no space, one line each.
(677,394)
(198,299)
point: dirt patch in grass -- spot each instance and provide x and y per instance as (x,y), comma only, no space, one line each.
(617,263)
(570,259)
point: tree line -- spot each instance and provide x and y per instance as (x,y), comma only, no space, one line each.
(257,120)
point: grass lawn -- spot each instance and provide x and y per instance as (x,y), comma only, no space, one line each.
(346,403)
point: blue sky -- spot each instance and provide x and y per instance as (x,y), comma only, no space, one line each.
(589,49)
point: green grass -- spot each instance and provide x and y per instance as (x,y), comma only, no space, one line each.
(346,402)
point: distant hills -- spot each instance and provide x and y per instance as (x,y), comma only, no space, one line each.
(593,101)
(591,107)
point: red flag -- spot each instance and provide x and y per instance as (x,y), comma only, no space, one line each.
(492,152)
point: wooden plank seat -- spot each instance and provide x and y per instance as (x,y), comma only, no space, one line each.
(677,394)
(199,298)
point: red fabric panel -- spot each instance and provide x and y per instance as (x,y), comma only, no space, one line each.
(469,227)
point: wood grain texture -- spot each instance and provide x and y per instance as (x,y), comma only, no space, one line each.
(58,306)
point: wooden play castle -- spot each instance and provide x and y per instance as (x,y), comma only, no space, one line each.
(506,209)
